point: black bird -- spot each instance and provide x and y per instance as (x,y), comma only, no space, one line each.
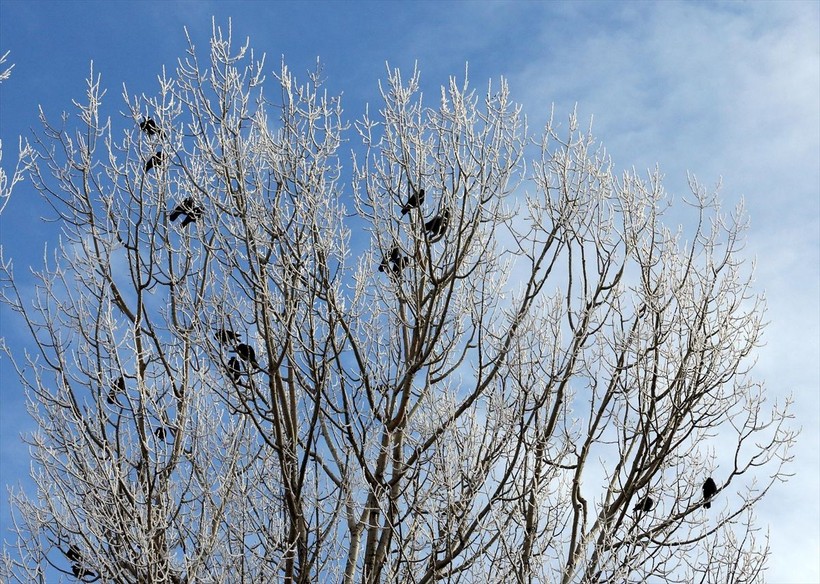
(150,127)
(227,336)
(155,160)
(190,209)
(399,265)
(709,490)
(117,388)
(195,213)
(416,199)
(645,504)
(80,572)
(161,432)
(395,262)
(436,226)
(234,369)
(395,257)
(246,353)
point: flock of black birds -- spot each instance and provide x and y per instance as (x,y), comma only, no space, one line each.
(709,491)
(189,207)
(150,127)
(393,263)
(435,228)
(242,351)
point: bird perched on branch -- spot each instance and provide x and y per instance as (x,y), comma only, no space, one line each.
(80,572)
(709,491)
(644,505)
(246,353)
(234,369)
(227,336)
(150,127)
(416,199)
(155,160)
(436,226)
(117,388)
(395,262)
(190,209)
(161,432)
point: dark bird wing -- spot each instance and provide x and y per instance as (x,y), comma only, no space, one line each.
(246,353)
(116,388)
(178,210)
(413,201)
(193,214)
(149,126)
(226,336)
(80,572)
(234,369)
(438,224)
(155,160)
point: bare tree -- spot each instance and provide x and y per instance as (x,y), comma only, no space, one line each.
(482,371)
(25,152)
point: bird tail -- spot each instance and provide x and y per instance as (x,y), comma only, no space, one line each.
(405,210)
(174,215)
(187,220)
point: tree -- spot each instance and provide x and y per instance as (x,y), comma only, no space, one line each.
(286,390)
(7,183)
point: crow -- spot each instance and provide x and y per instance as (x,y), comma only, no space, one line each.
(80,572)
(150,127)
(117,388)
(436,226)
(709,490)
(395,256)
(394,263)
(155,160)
(645,504)
(190,209)
(416,199)
(182,208)
(227,336)
(234,369)
(195,213)
(399,265)
(246,353)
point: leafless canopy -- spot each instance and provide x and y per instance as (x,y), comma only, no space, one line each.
(525,377)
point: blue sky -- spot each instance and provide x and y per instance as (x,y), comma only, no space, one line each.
(725,90)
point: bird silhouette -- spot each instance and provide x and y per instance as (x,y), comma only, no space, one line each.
(80,572)
(399,265)
(416,199)
(155,160)
(234,369)
(394,263)
(395,256)
(189,208)
(195,213)
(246,353)
(645,504)
(709,490)
(227,336)
(150,127)
(117,388)
(436,226)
